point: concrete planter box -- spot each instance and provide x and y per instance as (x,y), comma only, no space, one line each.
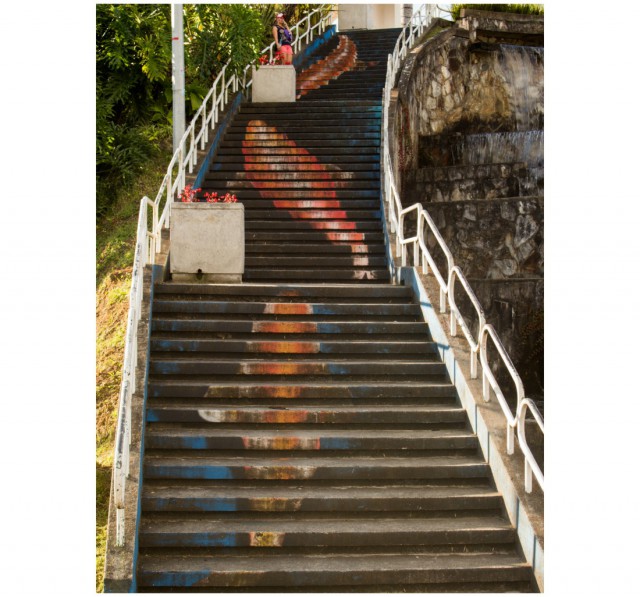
(274,84)
(207,242)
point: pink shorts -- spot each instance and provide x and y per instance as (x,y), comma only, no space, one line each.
(285,50)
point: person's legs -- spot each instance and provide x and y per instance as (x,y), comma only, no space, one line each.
(287,54)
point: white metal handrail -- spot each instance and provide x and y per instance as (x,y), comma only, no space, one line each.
(148,241)
(456,316)
(128,385)
(478,345)
(428,260)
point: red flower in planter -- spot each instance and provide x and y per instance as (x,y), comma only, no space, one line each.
(211,197)
(229,198)
(189,194)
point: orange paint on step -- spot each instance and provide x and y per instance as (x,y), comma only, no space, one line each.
(341,60)
(288,309)
(285,327)
(285,416)
(288,347)
(280,368)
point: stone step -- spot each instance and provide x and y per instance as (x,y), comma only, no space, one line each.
(424,348)
(308,412)
(321,183)
(282,326)
(301,466)
(289,291)
(203,370)
(358,310)
(365,276)
(194,497)
(321,570)
(252,236)
(314,261)
(208,437)
(363,141)
(329,225)
(317,150)
(310,214)
(310,204)
(301,127)
(298,162)
(286,175)
(278,531)
(320,249)
(302,389)
(317,137)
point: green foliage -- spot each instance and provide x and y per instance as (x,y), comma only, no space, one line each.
(133,76)
(528,9)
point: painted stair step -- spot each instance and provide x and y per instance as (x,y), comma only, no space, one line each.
(308,214)
(297,465)
(299,498)
(328,275)
(236,128)
(349,161)
(283,413)
(293,139)
(288,327)
(328,389)
(310,249)
(303,150)
(208,438)
(349,205)
(311,145)
(315,261)
(297,225)
(324,533)
(209,368)
(324,192)
(287,107)
(425,348)
(294,308)
(320,182)
(310,236)
(292,176)
(288,290)
(319,570)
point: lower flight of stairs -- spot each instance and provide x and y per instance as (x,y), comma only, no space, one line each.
(306,437)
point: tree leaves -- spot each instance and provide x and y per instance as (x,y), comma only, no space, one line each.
(133,73)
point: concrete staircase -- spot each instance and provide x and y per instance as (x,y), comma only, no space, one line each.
(302,434)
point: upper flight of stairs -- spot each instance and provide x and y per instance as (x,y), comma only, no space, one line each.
(302,433)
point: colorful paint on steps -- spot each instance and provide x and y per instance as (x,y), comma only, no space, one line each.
(283,472)
(266,539)
(341,60)
(282,368)
(284,327)
(288,309)
(259,184)
(281,443)
(288,347)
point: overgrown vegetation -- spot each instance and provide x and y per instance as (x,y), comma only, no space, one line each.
(528,9)
(133,76)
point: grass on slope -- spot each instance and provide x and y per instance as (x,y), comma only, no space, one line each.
(115,245)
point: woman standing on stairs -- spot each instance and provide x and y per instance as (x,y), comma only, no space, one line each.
(283,38)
